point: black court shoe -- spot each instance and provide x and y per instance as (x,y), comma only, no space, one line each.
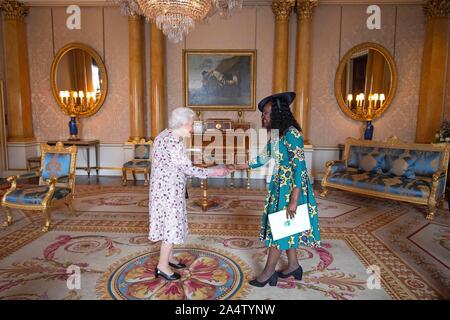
(174,276)
(297,273)
(272,281)
(179,265)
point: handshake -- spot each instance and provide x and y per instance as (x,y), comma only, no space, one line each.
(220,171)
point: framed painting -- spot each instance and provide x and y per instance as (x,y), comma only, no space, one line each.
(219,79)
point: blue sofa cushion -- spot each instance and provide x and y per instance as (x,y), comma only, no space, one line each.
(419,187)
(357,152)
(427,162)
(371,162)
(353,157)
(35,195)
(338,167)
(403,166)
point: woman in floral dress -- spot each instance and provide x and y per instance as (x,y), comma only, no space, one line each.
(170,169)
(289,187)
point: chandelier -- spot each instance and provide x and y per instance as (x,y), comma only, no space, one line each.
(176,18)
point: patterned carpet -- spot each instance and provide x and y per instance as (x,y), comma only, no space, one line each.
(107,240)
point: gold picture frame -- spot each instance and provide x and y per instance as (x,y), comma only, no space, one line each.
(103,79)
(340,82)
(219,79)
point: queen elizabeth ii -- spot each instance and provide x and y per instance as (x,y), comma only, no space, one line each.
(170,169)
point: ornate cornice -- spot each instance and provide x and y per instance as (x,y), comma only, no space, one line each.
(282,9)
(305,8)
(436,8)
(14,10)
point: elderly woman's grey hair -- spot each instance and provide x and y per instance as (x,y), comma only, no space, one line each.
(180,116)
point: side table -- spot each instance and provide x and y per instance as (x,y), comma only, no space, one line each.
(85,144)
(204,203)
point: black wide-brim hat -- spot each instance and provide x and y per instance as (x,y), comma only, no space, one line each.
(287,97)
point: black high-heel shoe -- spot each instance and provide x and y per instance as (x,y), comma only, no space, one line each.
(179,265)
(174,276)
(272,281)
(297,273)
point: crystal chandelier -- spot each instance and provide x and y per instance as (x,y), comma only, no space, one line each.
(176,18)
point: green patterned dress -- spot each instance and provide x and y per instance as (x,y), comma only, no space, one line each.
(289,172)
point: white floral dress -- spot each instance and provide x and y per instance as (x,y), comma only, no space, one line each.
(167,205)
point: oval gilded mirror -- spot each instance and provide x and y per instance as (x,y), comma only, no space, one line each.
(79,81)
(366,81)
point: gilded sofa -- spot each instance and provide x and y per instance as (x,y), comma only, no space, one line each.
(56,184)
(392,169)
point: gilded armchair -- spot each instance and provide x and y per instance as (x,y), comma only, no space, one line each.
(56,184)
(142,154)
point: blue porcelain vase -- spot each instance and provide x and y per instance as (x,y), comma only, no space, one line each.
(73,129)
(368,134)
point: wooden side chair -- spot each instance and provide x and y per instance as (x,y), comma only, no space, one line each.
(56,184)
(142,161)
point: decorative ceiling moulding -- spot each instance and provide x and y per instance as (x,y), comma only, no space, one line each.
(64,3)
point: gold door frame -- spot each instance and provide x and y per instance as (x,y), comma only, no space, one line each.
(249,52)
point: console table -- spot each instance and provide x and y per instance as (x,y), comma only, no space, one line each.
(88,144)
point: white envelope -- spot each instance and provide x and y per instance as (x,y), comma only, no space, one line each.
(282,227)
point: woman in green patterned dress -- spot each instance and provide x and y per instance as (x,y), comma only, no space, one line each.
(289,187)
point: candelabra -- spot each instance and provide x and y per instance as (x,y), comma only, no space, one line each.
(367,109)
(76,103)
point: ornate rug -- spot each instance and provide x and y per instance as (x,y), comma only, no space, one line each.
(372,249)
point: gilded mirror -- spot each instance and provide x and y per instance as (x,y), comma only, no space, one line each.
(79,81)
(366,81)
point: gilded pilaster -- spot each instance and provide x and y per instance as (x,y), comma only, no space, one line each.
(304,10)
(282,10)
(434,69)
(18,96)
(137,62)
(157,80)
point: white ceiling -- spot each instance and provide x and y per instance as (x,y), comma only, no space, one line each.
(246,2)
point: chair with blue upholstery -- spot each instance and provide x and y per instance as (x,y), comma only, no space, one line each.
(56,184)
(142,154)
